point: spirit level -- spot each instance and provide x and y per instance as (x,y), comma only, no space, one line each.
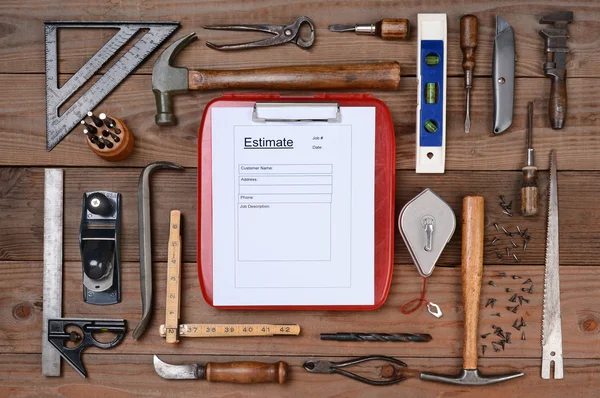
(431,96)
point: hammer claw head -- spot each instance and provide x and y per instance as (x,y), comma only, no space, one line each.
(469,377)
(168,80)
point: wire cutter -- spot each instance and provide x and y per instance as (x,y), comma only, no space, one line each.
(316,366)
(283,34)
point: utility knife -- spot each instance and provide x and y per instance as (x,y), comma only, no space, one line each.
(503,74)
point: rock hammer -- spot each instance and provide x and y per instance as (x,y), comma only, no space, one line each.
(472,272)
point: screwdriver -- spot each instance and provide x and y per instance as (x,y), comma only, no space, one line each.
(387,29)
(529,189)
(468,43)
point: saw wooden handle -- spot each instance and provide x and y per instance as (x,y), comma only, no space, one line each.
(557,107)
(383,76)
(246,372)
(472,269)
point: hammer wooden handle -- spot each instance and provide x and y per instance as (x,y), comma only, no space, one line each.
(472,269)
(368,76)
(247,372)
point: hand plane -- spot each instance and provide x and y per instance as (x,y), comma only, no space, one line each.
(99,246)
(555,66)
(503,75)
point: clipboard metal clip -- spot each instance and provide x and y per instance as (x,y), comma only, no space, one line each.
(296,112)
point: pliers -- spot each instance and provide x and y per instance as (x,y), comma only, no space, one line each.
(318,366)
(283,34)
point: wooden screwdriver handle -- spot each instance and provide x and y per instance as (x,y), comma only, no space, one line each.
(472,269)
(393,29)
(247,372)
(468,41)
(529,192)
(368,76)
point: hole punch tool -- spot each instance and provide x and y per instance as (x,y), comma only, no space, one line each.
(83,334)
(99,247)
(320,366)
(282,34)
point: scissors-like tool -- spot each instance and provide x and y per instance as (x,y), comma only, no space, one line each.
(319,366)
(283,34)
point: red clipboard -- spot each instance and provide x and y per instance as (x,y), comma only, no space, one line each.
(385,180)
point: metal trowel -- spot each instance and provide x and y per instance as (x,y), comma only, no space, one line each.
(426,224)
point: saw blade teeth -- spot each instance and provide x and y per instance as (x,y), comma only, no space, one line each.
(551,182)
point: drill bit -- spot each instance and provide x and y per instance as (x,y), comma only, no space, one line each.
(396,337)
(529,189)
(468,44)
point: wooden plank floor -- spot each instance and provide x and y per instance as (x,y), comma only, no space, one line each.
(477,163)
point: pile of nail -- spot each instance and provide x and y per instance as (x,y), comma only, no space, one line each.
(508,252)
(505,337)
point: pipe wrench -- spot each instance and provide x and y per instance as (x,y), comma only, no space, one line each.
(503,75)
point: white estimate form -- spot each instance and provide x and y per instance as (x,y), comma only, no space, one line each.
(293,209)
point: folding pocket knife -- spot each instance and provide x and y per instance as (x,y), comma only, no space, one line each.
(503,74)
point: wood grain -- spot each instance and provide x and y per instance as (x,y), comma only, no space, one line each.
(21,298)
(477,164)
(133,375)
(472,273)
(22,126)
(23,46)
(371,76)
(21,201)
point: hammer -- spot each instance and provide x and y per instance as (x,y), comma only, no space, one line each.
(168,80)
(472,270)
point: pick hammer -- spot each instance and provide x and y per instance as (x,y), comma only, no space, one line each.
(472,271)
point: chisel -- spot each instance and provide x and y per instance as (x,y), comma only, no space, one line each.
(529,189)
(468,43)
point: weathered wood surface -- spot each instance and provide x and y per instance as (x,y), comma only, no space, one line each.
(477,163)
(21,297)
(22,126)
(23,45)
(133,375)
(21,201)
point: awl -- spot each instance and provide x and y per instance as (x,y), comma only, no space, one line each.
(231,372)
(468,44)
(387,29)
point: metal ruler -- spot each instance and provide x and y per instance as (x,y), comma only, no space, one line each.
(234,330)
(53,264)
(172,330)
(57,127)
(551,322)
(173,279)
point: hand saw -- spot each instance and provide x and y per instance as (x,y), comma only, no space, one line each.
(551,324)
(57,127)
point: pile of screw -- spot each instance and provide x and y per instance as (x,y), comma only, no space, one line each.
(522,234)
(504,336)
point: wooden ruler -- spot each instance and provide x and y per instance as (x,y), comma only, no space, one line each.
(172,330)
(173,279)
(233,330)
